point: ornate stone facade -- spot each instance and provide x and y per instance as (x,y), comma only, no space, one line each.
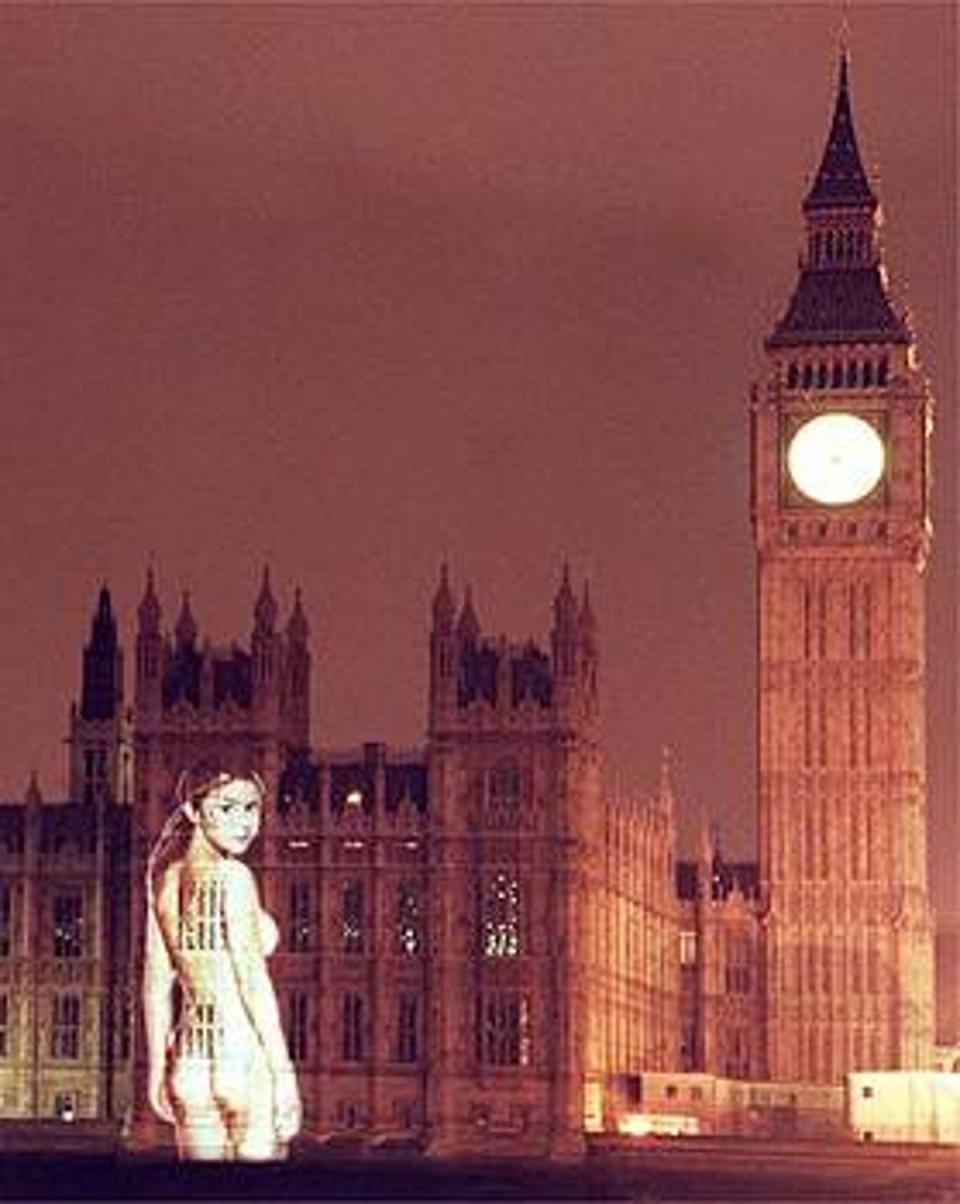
(476,941)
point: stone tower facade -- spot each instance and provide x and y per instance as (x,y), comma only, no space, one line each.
(100,740)
(554,922)
(840,508)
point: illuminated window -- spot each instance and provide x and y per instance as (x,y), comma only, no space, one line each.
(409,935)
(352,1045)
(354,798)
(500,919)
(300,933)
(4,1026)
(298,1019)
(6,920)
(68,924)
(503,1028)
(352,916)
(65,1030)
(408,1028)
(688,948)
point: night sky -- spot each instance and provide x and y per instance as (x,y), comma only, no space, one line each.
(354,289)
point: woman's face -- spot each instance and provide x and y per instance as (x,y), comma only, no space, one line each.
(228,815)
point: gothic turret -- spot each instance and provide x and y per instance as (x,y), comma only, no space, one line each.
(443,652)
(265,649)
(298,629)
(99,757)
(102,692)
(565,637)
(186,628)
(265,609)
(297,672)
(149,682)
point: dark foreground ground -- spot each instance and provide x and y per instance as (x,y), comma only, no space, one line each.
(702,1169)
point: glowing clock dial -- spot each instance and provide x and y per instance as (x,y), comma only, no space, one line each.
(836,458)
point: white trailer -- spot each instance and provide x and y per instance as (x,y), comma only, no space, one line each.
(904,1105)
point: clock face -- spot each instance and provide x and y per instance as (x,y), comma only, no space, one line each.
(836,458)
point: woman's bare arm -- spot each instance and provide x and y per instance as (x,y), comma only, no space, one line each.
(158,979)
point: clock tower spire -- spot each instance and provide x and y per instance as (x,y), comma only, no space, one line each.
(840,511)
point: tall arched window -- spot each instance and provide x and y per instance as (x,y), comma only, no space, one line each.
(409,919)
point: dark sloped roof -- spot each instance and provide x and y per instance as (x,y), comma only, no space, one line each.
(841,180)
(840,305)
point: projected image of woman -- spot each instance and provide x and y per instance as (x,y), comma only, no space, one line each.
(220,1071)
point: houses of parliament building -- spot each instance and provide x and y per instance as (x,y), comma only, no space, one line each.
(481,946)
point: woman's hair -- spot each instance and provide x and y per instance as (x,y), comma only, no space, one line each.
(194,785)
(192,788)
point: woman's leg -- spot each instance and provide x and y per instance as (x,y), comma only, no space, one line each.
(248,1108)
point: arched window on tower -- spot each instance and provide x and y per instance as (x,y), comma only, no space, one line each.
(821,375)
(867,374)
(828,247)
(807,375)
(851,374)
(882,369)
(837,380)
(792,376)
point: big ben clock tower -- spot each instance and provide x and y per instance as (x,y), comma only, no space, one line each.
(840,507)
